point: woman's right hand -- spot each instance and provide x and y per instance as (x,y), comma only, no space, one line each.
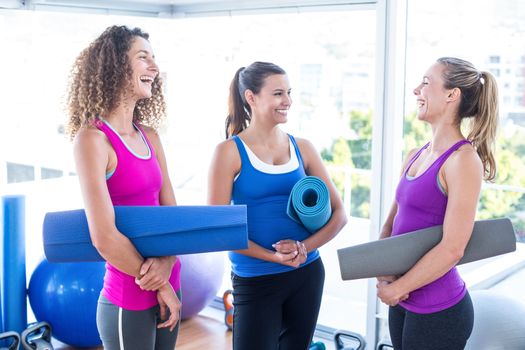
(168,300)
(290,253)
(285,258)
(385,280)
(155,272)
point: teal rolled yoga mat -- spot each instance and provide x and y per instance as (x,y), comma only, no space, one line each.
(309,203)
(396,255)
(153,230)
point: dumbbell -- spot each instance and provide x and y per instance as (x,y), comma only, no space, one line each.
(227,299)
(343,338)
(37,337)
(10,336)
(385,345)
(317,346)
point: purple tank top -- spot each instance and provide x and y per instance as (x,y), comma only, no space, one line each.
(137,180)
(422,204)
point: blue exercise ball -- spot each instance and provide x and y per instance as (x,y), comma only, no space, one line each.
(201,278)
(499,322)
(65,295)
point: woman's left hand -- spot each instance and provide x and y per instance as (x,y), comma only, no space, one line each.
(155,272)
(287,246)
(168,300)
(388,293)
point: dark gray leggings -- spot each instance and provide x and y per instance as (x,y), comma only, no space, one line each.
(122,329)
(444,330)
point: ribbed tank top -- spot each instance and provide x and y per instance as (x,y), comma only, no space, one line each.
(421,204)
(266,197)
(136,180)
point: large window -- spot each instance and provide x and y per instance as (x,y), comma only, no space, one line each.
(330,57)
(490,35)
(332,78)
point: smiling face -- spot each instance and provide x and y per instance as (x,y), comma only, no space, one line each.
(274,100)
(143,66)
(432,96)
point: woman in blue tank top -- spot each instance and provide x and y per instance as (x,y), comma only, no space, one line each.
(430,307)
(278,281)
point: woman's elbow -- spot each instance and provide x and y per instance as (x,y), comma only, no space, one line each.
(459,254)
(342,219)
(456,254)
(102,243)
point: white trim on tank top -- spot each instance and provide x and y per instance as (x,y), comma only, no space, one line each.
(258,164)
(148,156)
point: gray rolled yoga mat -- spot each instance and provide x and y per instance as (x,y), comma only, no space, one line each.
(396,255)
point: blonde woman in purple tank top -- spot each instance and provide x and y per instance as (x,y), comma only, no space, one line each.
(115,106)
(430,307)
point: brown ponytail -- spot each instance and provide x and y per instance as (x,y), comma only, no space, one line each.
(238,118)
(484,126)
(479,102)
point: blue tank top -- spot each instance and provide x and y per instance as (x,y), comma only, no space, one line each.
(422,204)
(266,197)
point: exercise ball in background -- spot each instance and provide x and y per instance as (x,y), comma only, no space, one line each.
(201,278)
(65,295)
(499,322)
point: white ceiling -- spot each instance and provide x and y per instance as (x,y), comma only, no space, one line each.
(169,8)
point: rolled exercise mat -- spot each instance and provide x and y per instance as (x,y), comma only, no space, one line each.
(13,269)
(309,203)
(154,230)
(396,255)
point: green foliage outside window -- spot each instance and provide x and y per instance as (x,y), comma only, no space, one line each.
(353,156)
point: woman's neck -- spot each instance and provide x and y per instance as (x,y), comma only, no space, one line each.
(443,136)
(121,118)
(264,136)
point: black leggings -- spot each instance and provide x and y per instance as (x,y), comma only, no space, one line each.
(444,330)
(277,311)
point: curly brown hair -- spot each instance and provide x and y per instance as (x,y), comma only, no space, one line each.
(98,77)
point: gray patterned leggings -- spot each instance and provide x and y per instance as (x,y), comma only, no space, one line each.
(122,329)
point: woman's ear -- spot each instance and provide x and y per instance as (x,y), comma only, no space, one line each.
(249,96)
(454,94)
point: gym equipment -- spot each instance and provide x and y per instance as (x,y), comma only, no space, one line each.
(347,340)
(154,230)
(385,345)
(396,255)
(498,323)
(317,346)
(13,264)
(37,337)
(66,295)
(309,203)
(12,339)
(200,280)
(227,300)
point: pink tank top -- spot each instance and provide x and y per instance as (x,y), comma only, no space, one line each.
(137,180)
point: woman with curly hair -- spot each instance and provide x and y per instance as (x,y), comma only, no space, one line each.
(115,105)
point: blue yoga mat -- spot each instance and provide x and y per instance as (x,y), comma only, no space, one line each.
(154,230)
(309,203)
